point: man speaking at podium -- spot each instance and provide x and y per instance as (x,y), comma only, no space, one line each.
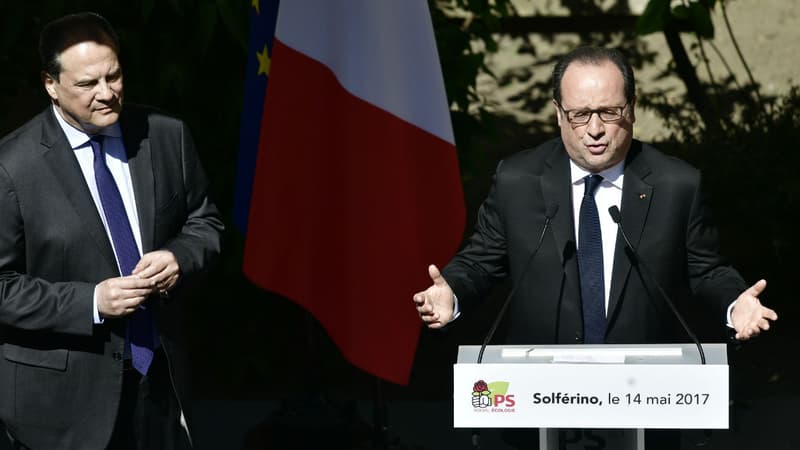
(546,224)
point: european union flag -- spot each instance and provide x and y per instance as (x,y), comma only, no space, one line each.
(263,15)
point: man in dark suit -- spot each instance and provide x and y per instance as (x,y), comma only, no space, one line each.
(105,222)
(663,211)
(582,285)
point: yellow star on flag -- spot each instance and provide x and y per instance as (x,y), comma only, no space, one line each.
(255,5)
(263,61)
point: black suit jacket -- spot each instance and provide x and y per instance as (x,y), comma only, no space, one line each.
(665,215)
(61,375)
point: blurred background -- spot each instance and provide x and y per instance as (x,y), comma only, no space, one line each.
(717,84)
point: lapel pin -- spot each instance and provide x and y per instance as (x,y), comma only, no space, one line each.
(642,196)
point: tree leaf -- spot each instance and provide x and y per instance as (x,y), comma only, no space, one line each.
(655,17)
(680,12)
(700,20)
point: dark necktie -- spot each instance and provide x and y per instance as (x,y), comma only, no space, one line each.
(141,328)
(590,265)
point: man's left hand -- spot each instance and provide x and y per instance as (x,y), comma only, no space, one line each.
(749,316)
(161,267)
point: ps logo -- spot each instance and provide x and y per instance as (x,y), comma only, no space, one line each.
(495,393)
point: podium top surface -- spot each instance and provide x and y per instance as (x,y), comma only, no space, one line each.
(594,354)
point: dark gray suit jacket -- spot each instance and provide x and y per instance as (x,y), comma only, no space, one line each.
(665,215)
(61,375)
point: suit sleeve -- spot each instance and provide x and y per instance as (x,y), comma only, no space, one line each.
(710,278)
(198,242)
(31,303)
(483,261)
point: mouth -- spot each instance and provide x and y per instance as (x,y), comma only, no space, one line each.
(596,149)
(104,110)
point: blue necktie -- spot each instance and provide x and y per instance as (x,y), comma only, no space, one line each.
(141,327)
(590,265)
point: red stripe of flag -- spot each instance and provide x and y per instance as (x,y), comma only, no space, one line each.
(350,205)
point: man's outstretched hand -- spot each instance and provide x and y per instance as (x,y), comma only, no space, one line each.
(749,317)
(435,304)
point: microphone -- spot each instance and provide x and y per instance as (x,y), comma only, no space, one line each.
(549,214)
(638,261)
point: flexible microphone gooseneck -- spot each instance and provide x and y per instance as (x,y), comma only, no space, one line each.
(549,214)
(638,261)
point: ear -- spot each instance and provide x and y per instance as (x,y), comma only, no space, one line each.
(632,110)
(559,113)
(50,85)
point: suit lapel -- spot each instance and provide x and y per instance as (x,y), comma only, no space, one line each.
(135,137)
(556,191)
(60,160)
(636,197)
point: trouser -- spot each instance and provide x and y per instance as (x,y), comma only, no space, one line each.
(149,415)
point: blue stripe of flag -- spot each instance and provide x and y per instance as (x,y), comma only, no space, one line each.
(262,32)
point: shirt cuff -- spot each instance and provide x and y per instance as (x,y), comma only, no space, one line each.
(456,311)
(96,313)
(728,316)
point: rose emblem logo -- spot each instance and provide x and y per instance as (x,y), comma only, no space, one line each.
(481,395)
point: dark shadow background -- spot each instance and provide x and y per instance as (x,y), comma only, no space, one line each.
(188,58)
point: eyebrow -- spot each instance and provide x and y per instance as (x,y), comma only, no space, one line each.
(593,109)
(84,81)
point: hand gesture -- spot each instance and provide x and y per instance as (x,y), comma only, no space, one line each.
(749,316)
(160,267)
(435,304)
(118,297)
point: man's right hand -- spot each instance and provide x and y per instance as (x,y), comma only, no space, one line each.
(118,297)
(435,304)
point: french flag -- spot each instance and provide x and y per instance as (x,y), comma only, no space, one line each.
(356,188)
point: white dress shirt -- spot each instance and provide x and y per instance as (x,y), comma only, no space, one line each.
(117,162)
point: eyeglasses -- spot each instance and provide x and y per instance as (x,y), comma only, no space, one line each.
(583,116)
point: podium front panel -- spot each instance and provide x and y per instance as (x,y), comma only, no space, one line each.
(524,393)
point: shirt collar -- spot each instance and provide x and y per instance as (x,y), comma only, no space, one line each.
(78,138)
(612,175)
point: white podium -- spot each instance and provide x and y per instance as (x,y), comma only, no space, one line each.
(620,387)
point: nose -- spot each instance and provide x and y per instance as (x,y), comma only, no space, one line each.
(595,128)
(104,91)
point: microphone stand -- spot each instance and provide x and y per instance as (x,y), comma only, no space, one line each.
(637,261)
(549,214)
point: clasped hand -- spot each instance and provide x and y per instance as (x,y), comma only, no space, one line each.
(156,272)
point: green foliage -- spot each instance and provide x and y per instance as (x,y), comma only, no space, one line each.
(718,105)
(464,36)
(748,156)
(692,15)
(750,170)
(699,17)
(655,17)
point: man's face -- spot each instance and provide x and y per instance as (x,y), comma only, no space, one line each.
(595,145)
(88,93)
